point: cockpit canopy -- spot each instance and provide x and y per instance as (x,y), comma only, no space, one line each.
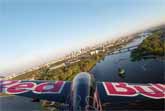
(83,88)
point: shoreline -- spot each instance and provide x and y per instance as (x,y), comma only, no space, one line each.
(5,95)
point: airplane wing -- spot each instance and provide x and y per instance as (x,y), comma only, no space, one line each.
(111,95)
(128,95)
(45,90)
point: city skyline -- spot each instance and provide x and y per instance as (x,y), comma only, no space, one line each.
(35,32)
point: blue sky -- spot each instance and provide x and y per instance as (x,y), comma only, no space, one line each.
(35,31)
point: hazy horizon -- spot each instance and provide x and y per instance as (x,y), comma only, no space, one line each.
(36,32)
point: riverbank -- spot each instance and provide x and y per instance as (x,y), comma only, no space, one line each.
(4,95)
(151,47)
(67,72)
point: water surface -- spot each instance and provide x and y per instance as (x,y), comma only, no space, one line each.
(144,71)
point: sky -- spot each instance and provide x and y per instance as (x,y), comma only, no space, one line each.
(35,31)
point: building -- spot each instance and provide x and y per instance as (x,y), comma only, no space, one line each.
(2,77)
(94,52)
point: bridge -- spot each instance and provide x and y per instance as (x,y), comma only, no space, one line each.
(122,50)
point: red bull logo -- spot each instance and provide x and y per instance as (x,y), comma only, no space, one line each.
(18,87)
(154,91)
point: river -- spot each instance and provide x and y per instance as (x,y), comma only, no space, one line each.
(144,71)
